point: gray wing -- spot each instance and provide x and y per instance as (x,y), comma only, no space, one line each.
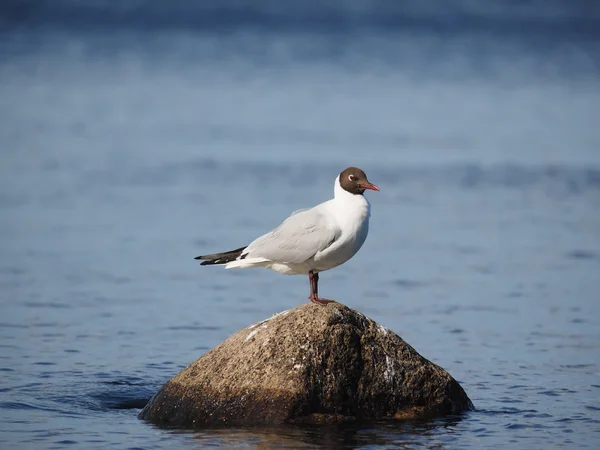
(300,237)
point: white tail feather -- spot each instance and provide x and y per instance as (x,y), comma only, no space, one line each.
(246,263)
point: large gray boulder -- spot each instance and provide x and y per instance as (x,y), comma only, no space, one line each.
(310,364)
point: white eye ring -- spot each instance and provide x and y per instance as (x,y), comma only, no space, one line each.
(351,177)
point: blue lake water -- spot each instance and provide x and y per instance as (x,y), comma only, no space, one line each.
(132,142)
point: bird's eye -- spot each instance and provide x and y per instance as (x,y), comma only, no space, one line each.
(352,178)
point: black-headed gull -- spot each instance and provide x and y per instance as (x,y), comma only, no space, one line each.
(311,240)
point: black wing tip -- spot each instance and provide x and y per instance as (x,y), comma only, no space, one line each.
(214,262)
(221,258)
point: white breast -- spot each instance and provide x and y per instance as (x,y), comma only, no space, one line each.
(351,214)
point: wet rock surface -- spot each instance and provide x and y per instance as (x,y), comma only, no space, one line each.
(310,364)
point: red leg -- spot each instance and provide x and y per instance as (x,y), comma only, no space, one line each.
(313,278)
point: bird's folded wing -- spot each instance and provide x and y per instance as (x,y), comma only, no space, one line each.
(300,237)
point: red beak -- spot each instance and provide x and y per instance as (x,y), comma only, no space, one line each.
(369,186)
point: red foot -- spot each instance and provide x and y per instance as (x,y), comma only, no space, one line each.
(320,301)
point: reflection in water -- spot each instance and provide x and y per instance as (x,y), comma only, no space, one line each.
(397,434)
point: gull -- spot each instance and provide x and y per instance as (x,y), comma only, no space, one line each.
(312,240)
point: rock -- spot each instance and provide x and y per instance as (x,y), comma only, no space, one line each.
(310,364)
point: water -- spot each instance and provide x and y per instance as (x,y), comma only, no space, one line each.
(133,142)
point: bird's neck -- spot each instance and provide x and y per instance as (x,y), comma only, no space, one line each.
(348,201)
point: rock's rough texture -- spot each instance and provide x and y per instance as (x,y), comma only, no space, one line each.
(310,364)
